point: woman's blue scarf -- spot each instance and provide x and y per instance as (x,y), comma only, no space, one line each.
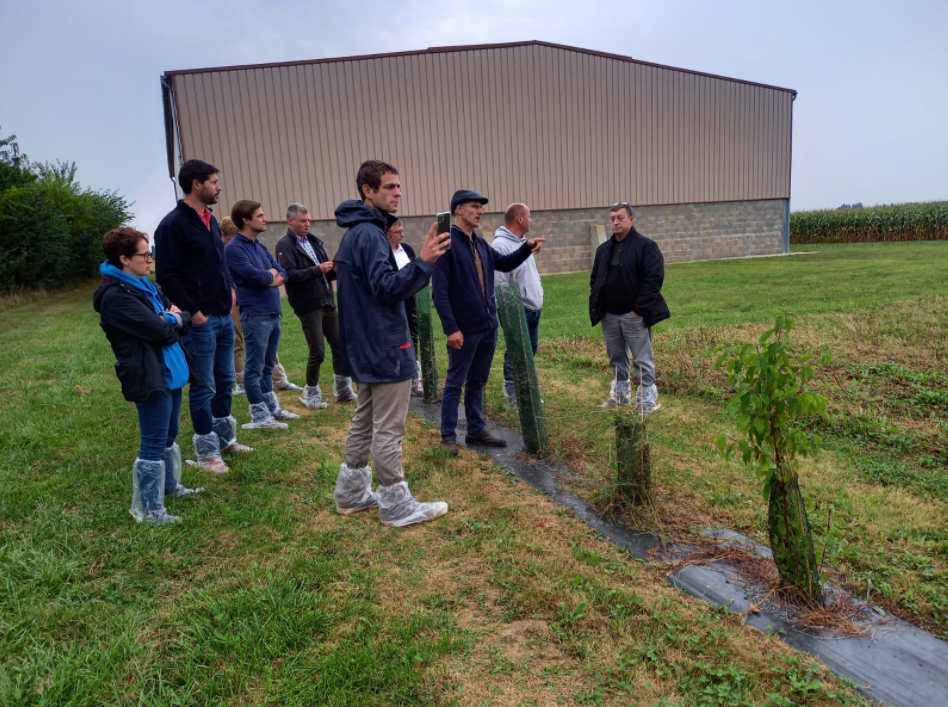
(174,364)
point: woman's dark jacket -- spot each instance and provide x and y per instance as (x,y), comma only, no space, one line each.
(307,287)
(643,271)
(137,334)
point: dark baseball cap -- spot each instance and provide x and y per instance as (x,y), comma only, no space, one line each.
(462,196)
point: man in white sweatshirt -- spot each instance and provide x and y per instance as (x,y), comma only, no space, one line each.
(507,239)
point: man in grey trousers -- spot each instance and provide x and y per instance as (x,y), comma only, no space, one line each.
(507,239)
(626,296)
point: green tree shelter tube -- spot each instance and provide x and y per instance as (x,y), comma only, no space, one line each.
(632,460)
(426,347)
(514,321)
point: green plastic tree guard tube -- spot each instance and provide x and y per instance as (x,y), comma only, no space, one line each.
(426,347)
(633,462)
(514,321)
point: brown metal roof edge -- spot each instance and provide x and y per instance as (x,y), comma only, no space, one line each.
(475,47)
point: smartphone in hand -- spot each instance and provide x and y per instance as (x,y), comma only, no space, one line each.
(444,224)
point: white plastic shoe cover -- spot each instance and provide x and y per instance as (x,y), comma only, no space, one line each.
(611,402)
(207,446)
(151,475)
(172,459)
(226,430)
(313,398)
(397,507)
(342,389)
(510,396)
(160,516)
(261,419)
(416,387)
(646,398)
(274,404)
(624,392)
(354,490)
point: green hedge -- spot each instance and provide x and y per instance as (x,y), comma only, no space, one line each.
(50,228)
(901,222)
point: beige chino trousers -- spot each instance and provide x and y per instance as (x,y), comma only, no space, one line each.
(379,427)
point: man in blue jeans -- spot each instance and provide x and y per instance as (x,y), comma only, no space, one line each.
(463,293)
(190,266)
(507,239)
(258,278)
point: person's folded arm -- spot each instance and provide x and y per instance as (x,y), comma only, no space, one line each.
(242,270)
(132,317)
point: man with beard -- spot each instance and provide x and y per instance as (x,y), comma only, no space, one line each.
(192,271)
(258,279)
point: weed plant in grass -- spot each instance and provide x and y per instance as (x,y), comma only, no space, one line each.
(263,594)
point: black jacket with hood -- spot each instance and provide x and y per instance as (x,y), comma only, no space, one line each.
(137,336)
(643,271)
(307,287)
(373,326)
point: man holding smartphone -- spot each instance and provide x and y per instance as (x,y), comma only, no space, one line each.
(377,349)
(463,294)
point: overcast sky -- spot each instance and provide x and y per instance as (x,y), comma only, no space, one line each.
(79,81)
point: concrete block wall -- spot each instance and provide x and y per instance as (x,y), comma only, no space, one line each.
(684,232)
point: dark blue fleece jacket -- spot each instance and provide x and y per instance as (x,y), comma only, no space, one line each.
(371,291)
(249,263)
(456,289)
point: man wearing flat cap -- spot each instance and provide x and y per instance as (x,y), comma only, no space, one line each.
(463,294)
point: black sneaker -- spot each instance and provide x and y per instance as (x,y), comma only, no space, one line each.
(485,439)
(450,446)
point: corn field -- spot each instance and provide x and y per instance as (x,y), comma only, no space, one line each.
(900,222)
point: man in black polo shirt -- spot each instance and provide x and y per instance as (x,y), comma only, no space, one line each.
(190,267)
(626,296)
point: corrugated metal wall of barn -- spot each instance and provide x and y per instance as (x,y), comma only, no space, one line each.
(554,127)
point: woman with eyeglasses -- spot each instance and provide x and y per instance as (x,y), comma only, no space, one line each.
(143,328)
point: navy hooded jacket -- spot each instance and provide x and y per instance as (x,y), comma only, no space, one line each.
(371,291)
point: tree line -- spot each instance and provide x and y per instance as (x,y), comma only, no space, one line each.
(50,226)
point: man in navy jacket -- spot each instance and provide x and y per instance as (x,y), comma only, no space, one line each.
(463,294)
(192,271)
(377,349)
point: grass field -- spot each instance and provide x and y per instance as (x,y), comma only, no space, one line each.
(265,596)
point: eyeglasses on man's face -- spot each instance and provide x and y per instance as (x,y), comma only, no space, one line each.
(146,255)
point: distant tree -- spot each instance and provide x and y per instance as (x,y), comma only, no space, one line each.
(14,166)
(50,227)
